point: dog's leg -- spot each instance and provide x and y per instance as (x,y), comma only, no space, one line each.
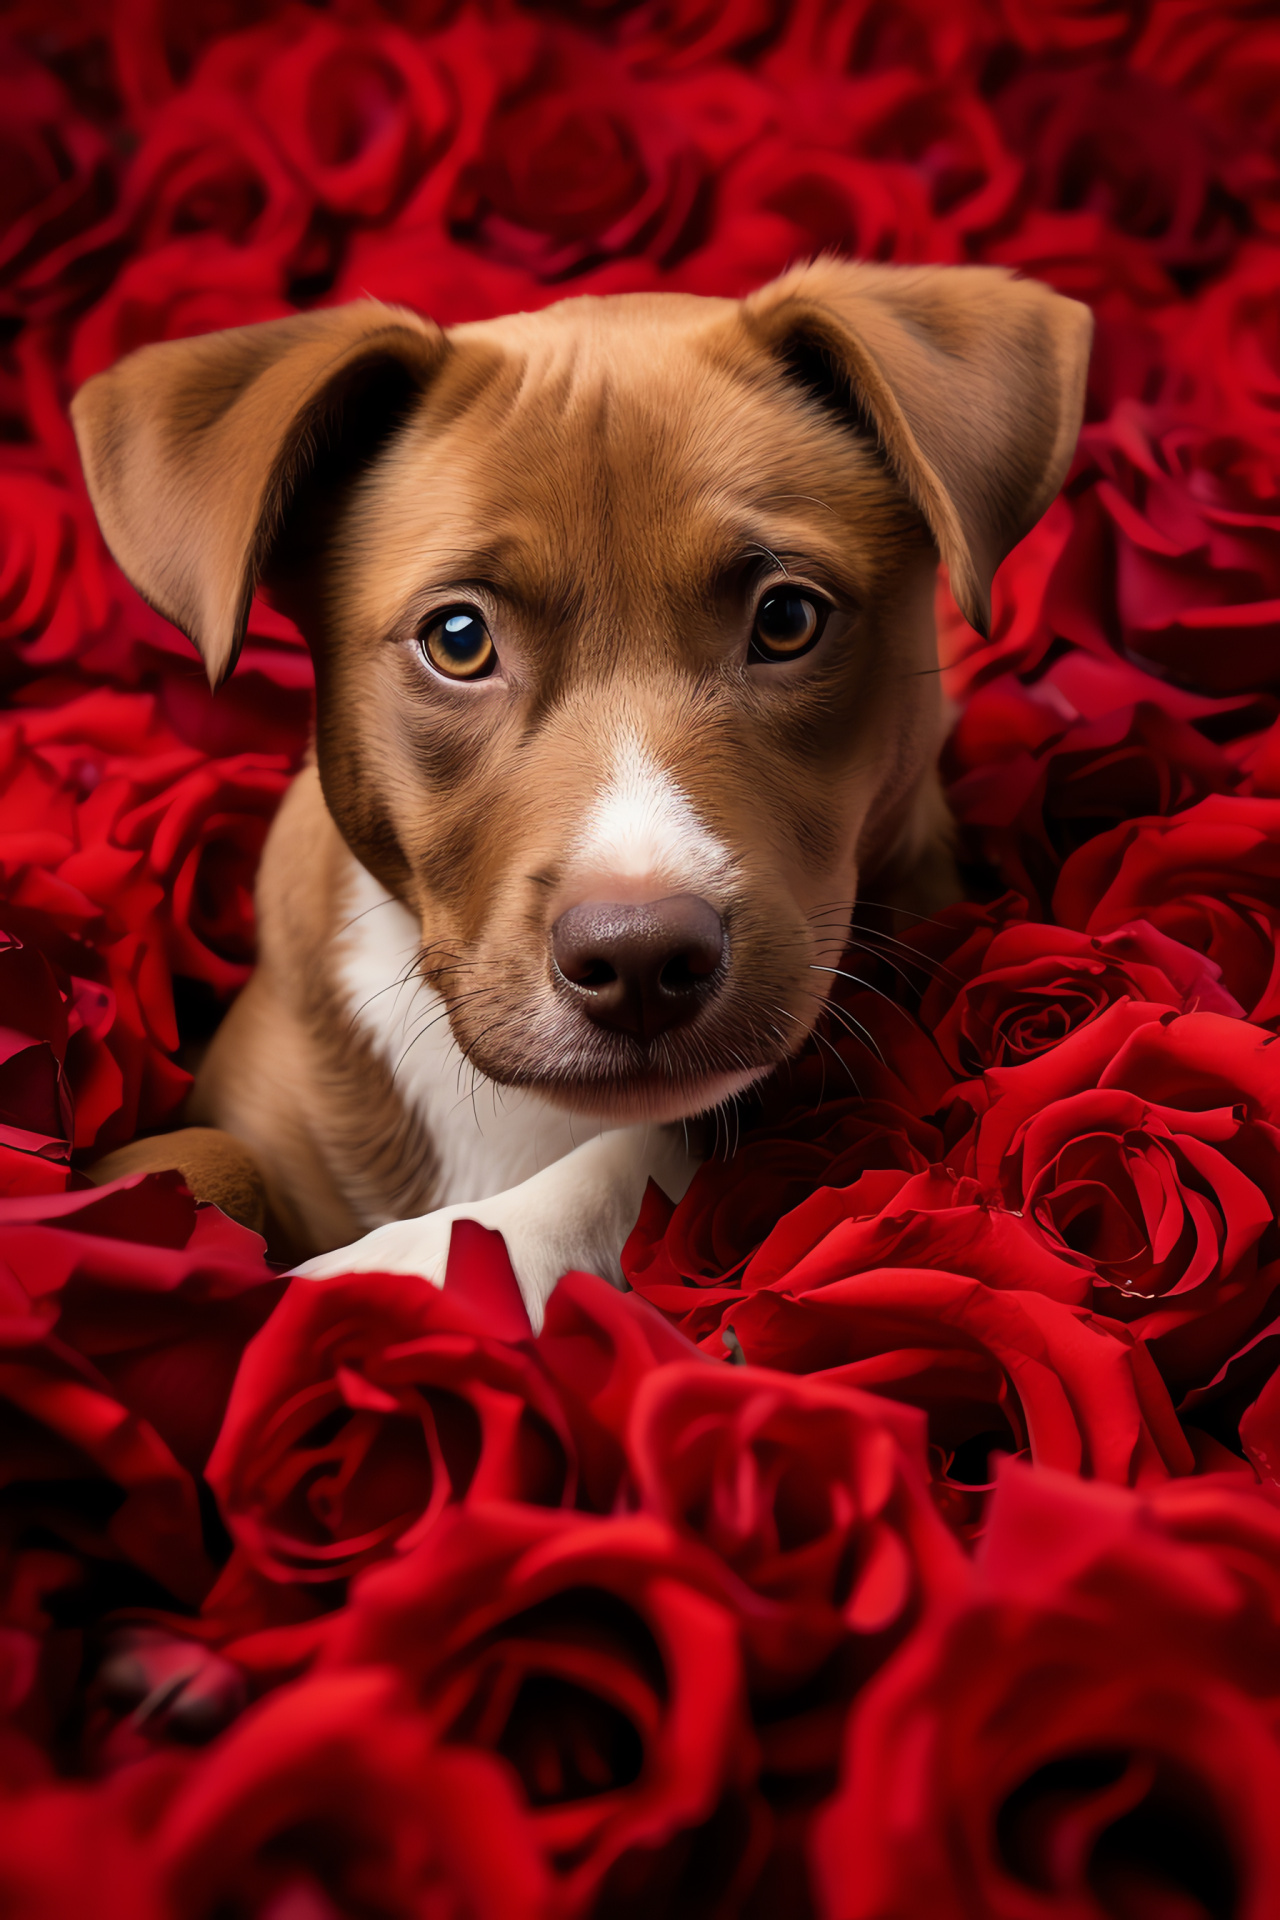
(215,1167)
(576,1213)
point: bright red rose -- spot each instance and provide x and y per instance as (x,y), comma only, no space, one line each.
(732,1205)
(1089,1731)
(995,1369)
(362,1411)
(813,1497)
(1011,993)
(1182,524)
(593,1658)
(1145,1149)
(66,1851)
(1209,877)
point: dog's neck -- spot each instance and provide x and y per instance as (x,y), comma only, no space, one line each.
(486,1137)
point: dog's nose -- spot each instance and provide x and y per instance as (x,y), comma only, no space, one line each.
(640,969)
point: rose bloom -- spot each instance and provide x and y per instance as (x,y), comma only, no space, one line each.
(57,190)
(1012,991)
(995,1370)
(733,1204)
(53,584)
(596,1659)
(1089,1730)
(1230,346)
(1145,1148)
(1031,811)
(1122,144)
(360,1413)
(813,1497)
(1182,521)
(1209,877)
(329,1798)
(579,164)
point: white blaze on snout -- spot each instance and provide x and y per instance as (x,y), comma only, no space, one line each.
(643,839)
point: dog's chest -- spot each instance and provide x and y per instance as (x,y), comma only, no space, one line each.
(486,1137)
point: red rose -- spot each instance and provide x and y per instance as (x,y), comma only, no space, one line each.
(733,1205)
(1018,638)
(1230,346)
(995,1369)
(946,134)
(1229,69)
(1146,1151)
(1091,1729)
(57,189)
(364,1408)
(780,203)
(579,164)
(1209,877)
(591,1655)
(35,1099)
(53,586)
(814,1499)
(1119,143)
(1011,993)
(156,1294)
(1075,26)
(1031,811)
(1181,522)
(329,1798)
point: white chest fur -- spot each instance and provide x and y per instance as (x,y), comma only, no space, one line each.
(486,1137)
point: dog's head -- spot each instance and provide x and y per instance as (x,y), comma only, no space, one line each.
(622,621)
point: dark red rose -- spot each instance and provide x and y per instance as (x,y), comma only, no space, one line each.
(197,284)
(733,1205)
(1031,811)
(946,134)
(579,164)
(156,1294)
(995,1369)
(779,203)
(1119,143)
(57,190)
(362,1411)
(1089,1730)
(1092,27)
(1228,67)
(1145,1149)
(1182,522)
(813,1497)
(1209,877)
(53,586)
(1230,347)
(36,1124)
(330,1799)
(1011,993)
(678,33)
(591,1656)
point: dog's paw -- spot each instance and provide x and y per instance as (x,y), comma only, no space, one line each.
(419,1246)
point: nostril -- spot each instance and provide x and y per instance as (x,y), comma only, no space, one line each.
(640,968)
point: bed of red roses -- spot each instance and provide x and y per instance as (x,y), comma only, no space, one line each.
(907,1542)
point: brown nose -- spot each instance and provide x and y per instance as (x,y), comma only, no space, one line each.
(640,969)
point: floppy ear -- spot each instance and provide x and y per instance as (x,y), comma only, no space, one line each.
(193,448)
(972,381)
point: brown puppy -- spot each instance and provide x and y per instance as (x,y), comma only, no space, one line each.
(625,664)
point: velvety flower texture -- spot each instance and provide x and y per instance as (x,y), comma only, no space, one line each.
(906,1541)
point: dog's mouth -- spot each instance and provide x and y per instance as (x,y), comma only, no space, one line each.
(624,1077)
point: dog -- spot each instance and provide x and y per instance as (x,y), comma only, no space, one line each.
(626,680)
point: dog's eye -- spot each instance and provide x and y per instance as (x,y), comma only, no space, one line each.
(787,624)
(457,644)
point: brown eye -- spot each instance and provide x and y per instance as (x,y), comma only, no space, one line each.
(787,624)
(457,644)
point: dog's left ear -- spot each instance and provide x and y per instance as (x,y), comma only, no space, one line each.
(972,382)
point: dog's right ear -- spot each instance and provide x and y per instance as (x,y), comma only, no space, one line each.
(193,448)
